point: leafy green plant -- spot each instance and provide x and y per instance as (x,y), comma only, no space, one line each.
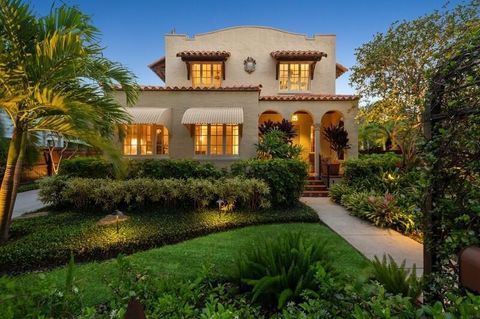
(384,212)
(395,278)
(172,168)
(88,167)
(275,144)
(281,269)
(338,190)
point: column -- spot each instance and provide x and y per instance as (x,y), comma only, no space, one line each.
(317,128)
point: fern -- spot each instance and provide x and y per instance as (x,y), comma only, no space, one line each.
(396,279)
(279,270)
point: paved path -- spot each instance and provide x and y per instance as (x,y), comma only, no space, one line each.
(368,239)
(27,202)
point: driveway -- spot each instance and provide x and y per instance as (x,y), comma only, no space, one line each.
(26,202)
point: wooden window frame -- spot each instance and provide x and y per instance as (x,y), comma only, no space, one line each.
(289,72)
(139,129)
(212,78)
(224,141)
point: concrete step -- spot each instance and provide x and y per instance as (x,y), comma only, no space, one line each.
(308,193)
(316,187)
(315,182)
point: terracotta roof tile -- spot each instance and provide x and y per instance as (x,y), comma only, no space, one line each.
(203,54)
(190,88)
(310,97)
(298,54)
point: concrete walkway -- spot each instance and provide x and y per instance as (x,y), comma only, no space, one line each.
(366,238)
(26,202)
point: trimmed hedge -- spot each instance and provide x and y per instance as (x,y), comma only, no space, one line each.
(140,193)
(46,242)
(172,168)
(96,167)
(285,177)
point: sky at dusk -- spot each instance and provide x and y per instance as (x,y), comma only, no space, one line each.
(132,31)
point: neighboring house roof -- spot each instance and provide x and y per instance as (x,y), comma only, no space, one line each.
(340,69)
(190,88)
(159,68)
(210,55)
(213,115)
(298,54)
(310,97)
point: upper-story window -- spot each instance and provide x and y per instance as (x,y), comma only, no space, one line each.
(206,74)
(294,76)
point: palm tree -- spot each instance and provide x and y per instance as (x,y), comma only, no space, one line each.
(54,78)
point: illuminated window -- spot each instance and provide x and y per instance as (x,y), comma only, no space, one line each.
(145,140)
(294,76)
(206,74)
(216,139)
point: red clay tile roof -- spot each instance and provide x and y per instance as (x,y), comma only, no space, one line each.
(303,54)
(159,68)
(309,97)
(203,54)
(340,69)
(189,88)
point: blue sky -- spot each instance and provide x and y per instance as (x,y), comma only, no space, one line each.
(132,31)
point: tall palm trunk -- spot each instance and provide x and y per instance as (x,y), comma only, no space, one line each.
(18,173)
(7,190)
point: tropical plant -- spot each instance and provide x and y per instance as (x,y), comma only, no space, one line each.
(55,78)
(337,136)
(396,279)
(281,269)
(274,144)
(385,212)
(284,126)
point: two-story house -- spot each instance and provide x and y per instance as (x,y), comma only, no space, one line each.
(220,86)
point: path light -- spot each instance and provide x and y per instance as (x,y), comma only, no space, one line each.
(117,215)
(220,203)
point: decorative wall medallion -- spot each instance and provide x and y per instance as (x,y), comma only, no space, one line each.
(249,64)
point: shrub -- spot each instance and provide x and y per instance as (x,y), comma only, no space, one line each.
(285,178)
(368,170)
(172,168)
(88,167)
(357,202)
(279,270)
(396,279)
(140,193)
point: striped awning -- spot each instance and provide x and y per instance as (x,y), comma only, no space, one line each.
(150,115)
(213,115)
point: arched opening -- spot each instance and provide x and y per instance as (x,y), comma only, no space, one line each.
(303,123)
(269,116)
(331,118)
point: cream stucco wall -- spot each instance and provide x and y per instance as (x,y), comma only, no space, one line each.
(255,42)
(180,140)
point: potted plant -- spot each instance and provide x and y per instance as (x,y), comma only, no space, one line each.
(337,136)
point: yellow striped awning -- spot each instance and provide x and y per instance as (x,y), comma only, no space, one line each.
(213,115)
(150,115)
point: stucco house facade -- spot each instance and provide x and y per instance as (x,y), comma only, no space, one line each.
(221,85)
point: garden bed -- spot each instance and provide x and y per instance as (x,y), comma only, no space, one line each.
(46,242)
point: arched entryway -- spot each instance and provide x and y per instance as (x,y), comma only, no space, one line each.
(330,118)
(303,123)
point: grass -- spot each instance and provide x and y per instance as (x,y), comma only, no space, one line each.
(28,186)
(215,252)
(46,242)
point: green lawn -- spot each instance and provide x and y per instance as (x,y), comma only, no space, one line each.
(187,259)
